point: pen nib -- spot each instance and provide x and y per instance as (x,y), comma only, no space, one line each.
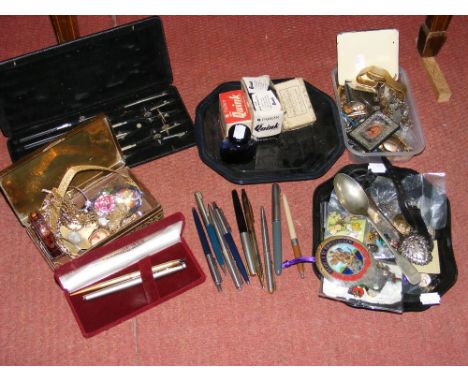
(261,283)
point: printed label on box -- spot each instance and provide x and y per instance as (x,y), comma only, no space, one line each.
(234,109)
(267,114)
(298,110)
(255,84)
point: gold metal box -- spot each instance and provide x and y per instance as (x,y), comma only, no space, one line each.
(25,183)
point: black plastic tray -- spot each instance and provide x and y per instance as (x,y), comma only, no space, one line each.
(448,267)
(306,153)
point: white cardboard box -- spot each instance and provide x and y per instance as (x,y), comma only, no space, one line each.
(266,110)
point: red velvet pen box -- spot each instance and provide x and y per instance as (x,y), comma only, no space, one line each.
(102,313)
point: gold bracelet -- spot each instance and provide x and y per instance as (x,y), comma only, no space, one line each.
(373,75)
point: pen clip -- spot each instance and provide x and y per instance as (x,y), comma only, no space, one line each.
(220,219)
(201,207)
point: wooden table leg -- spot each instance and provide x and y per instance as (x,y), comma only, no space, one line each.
(66,28)
(432,36)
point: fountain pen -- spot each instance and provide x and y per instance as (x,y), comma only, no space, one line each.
(243,232)
(250,220)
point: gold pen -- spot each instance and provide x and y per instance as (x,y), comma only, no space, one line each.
(127,276)
(269,272)
(292,233)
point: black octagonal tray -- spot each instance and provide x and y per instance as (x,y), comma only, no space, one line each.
(442,282)
(301,154)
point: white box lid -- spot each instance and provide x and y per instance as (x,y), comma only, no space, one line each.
(357,50)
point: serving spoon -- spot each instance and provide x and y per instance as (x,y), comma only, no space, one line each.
(355,200)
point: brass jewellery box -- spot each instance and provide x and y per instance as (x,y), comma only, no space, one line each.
(77,194)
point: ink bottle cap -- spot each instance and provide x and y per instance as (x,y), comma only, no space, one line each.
(239,134)
(239,146)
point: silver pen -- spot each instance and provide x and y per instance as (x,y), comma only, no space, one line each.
(266,252)
(129,283)
(126,277)
(210,230)
(236,279)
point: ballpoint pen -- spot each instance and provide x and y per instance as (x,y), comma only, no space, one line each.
(215,275)
(226,231)
(244,235)
(127,276)
(276,228)
(210,229)
(292,233)
(134,281)
(250,220)
(266,252)
(233,271)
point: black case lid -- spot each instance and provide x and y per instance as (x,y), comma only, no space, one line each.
(74,76)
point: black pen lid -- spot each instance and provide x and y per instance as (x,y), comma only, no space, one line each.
(239,214)
(275,202)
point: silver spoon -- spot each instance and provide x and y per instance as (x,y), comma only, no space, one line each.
(354,199)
